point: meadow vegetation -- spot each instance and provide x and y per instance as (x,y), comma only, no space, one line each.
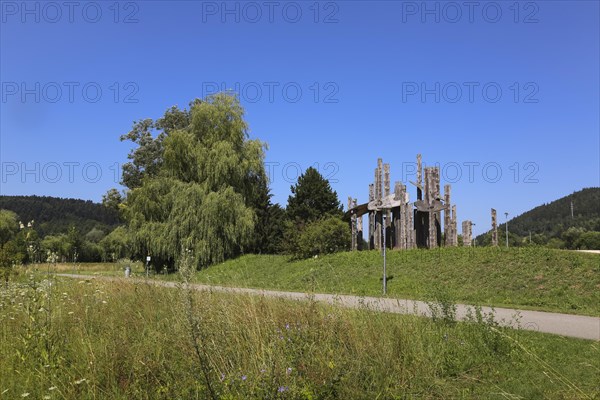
(66,338)
(527,278)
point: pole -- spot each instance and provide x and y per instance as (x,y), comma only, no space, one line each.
(384,260)
(506,216)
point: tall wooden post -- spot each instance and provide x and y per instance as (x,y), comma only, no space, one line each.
(447,219)
(428,198)
(359,229)
(378,196)
(454,227)
(371,218)
(354,242)
(494,228)
(397,217)
(466,233)
(388,213)
(419,177)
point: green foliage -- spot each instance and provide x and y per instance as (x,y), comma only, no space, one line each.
(95,235)
(589,241)
(269,233)
(55,215)
(555,243)
(57,244)
(9,257)
(112,199)
(324,236)
(312,198)
(442,306)
(147,158)
(116,245)
(8,226)
(203,194)
(554,221)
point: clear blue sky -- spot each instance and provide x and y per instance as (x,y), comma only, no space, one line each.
(377,79)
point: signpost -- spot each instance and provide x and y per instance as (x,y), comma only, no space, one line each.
(384,205)
(147,265)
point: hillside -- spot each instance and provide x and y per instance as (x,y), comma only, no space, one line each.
(54,215)
(552,220)
(525,277)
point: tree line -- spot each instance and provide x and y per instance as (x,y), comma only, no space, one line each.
(195,183)
(571,222)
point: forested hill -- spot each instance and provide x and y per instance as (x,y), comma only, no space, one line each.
(54,215)
(552,220)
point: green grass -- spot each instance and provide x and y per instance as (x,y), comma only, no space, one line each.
(528,278)
(525,278)
(86,339)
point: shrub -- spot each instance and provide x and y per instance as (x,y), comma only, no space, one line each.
(324,236)
(589,241)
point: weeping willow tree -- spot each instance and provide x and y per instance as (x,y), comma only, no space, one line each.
(201,198)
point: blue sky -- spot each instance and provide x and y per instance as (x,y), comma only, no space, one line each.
(503,95)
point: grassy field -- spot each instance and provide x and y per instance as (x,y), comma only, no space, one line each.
(531,278)
(527,278)
(86,339)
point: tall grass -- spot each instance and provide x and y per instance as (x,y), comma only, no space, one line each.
(88,339)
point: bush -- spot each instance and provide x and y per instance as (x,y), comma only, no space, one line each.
(324,236)
(589,241)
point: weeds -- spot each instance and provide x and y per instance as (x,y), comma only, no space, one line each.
(119,340)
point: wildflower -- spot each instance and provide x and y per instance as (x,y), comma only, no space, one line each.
(262,371)
(222,377)
(282,389)
(287,326)
(288,370)
(244,377)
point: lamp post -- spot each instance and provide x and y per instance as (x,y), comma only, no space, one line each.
(506,216)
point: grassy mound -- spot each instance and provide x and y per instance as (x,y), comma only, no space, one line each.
(530,278)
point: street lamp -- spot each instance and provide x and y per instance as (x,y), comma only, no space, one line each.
(506,216)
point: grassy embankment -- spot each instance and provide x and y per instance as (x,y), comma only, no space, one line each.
(527,278)
(69,339)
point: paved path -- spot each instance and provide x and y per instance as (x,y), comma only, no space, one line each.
(560,324)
